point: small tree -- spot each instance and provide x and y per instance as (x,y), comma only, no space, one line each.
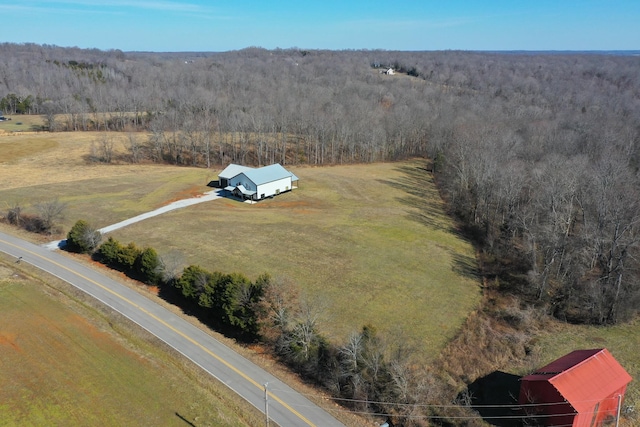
(190,281)
(49,108)
(148,265)
(14,215)
(171,265)
(102,149)
(83,238)
(127,256)
(135,148)
(108,252)
(50,212)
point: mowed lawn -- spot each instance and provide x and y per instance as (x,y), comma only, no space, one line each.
(63,364)
(366,244)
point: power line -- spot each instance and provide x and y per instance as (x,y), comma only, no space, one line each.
(453,417)
(419,405)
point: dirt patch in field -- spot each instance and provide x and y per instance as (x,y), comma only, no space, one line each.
(188,193)
(9,340)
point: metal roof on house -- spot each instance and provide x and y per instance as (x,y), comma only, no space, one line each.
(268,174)
(233,170)
(583,376)
(244,191)
(258,176)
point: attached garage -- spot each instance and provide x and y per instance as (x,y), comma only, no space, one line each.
(230,172)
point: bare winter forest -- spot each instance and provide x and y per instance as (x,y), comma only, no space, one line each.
(537,155)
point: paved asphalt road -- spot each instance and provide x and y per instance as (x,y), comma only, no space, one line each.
(286,407)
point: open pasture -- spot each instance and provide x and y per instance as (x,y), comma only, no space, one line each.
(62,363)
(367,244)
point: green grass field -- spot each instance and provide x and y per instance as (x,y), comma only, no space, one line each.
(21,123)
(62,363)
(370,244)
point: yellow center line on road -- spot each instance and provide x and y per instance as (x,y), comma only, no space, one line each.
(187,337)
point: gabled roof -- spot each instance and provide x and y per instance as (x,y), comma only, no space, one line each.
(258,176)
(233,170)
(584,377)
(268,174)
(244,191)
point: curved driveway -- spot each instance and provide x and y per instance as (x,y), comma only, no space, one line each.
(286,407)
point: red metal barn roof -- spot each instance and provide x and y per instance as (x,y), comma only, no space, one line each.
(589,380)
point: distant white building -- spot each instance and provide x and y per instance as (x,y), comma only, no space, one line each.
(388,71)
(257,184)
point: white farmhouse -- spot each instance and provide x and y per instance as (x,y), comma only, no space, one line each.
(257,184)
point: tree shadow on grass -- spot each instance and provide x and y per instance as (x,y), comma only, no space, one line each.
(416,189)
(495,397)
(465,266)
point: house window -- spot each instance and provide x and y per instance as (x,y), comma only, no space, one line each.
(262,196)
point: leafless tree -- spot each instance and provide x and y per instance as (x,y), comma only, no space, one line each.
(135,148)
(14,214)
(103,148)
(171,264)
(50,212)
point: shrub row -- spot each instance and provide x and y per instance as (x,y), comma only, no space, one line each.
(139,263)
(230,300)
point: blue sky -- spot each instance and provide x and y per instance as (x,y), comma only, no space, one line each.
(198,25)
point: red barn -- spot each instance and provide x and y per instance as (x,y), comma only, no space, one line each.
(582,389)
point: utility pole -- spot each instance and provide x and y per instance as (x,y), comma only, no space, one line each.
(266,404)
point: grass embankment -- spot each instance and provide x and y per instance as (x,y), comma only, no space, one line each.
(64,363)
